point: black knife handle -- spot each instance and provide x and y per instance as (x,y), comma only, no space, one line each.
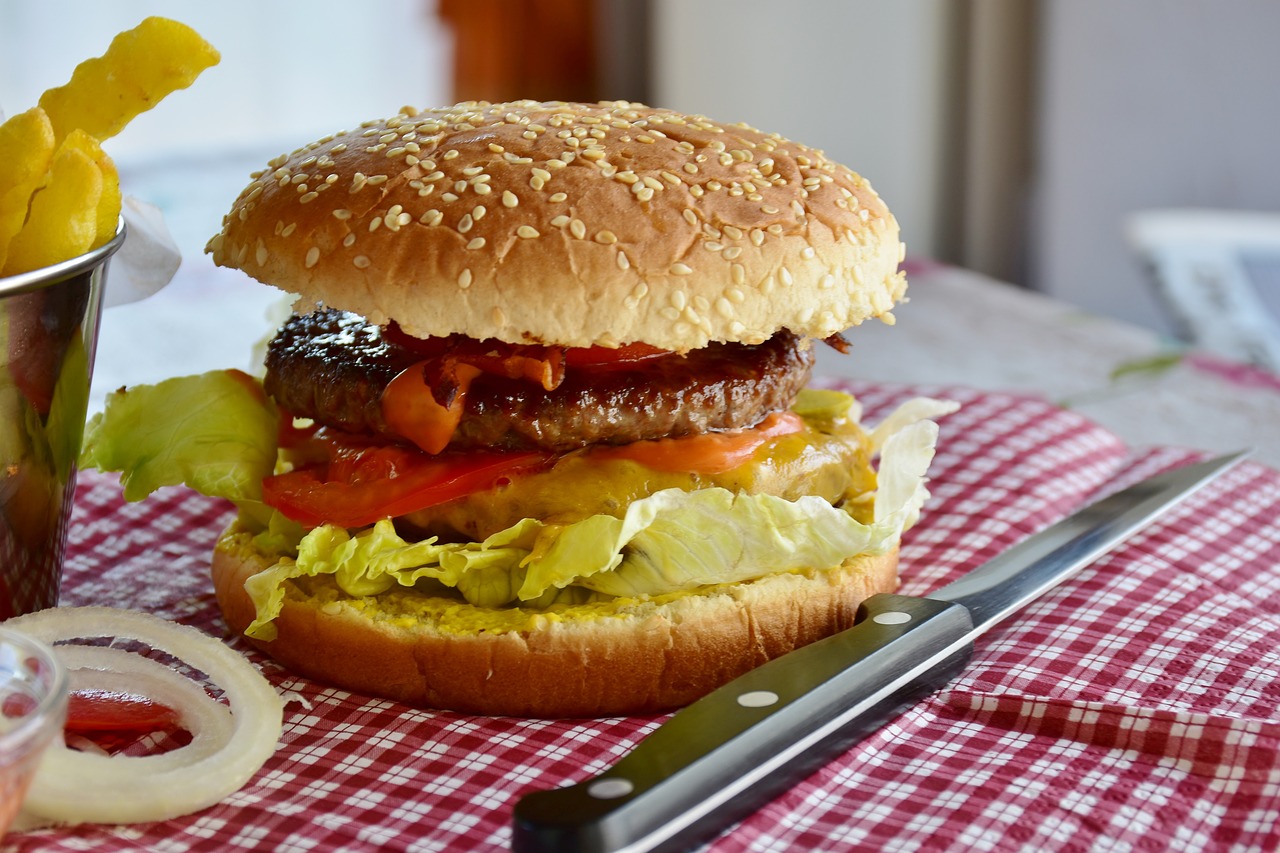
(727,754)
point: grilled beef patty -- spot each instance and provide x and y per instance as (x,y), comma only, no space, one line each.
(332,366)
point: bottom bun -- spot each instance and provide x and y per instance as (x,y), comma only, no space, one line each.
(627,656)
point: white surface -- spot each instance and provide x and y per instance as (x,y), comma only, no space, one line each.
(961,328)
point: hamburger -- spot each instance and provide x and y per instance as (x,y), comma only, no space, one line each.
(536,439)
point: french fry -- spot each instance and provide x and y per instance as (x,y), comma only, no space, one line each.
(63,219)
(140,67)
(59,191)
(110,202)
(26,149)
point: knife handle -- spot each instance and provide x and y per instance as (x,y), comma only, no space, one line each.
(727,754)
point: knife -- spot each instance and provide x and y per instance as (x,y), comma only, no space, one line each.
(725,755)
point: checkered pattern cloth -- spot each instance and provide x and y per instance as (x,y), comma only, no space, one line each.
(1137,707)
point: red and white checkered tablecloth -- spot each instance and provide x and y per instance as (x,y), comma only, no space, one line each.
(1135,708)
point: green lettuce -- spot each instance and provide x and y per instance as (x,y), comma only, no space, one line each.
(215,432)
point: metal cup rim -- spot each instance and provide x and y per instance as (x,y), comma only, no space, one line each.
(26,282)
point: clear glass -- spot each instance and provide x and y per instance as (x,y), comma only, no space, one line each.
(33,709)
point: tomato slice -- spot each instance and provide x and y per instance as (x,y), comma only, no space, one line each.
(93,710)
(360,484)
(709,453)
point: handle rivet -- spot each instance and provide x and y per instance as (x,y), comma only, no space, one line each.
(758,699)
(610,789)
(893,617)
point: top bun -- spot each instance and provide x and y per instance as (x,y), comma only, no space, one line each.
(570,224)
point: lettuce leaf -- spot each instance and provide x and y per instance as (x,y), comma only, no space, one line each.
(215,432)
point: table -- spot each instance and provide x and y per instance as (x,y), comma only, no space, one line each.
(1134,708)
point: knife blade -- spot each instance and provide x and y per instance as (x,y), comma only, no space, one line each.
(722,757)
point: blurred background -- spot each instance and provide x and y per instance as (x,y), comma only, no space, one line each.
(1011,137)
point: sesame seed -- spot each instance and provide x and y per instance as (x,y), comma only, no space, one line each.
(644,194)
(313,256)
(680,269)
(478,212)
(679,299)
(482,189)
(464,224)
(733,232)
(476,243)
(732,252)
(578,229)
(361,261)
(784,275)
(560,221)
(807,253)
(528,232)
(261,255)
(509,199)
(464,279)
(375,223)
(499,319)
(739,274)
(288,229)
(558,197)
(349,240)
(606,237)
(623,262)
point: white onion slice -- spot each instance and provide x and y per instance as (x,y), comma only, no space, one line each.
(226,750)
(99,667)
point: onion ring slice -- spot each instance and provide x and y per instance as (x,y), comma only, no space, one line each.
(229,743)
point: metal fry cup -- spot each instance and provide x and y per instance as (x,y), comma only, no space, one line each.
(48,335)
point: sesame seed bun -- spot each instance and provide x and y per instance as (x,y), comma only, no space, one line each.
(570,224)
(635,656)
